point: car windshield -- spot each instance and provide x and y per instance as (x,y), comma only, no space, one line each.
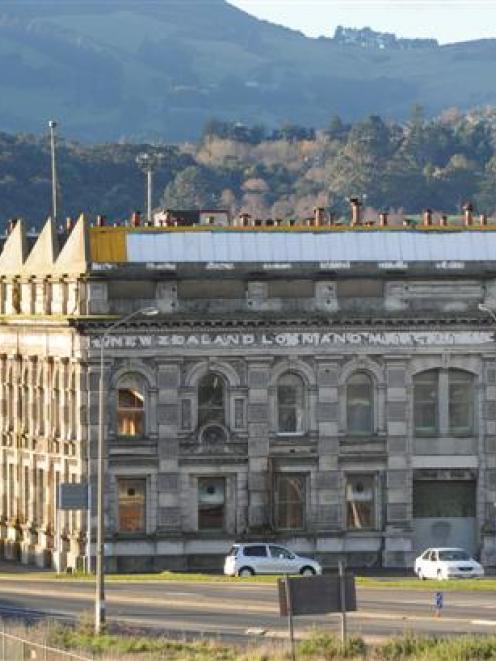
(233,551)
(454,554)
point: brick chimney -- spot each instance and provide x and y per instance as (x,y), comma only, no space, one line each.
(355,211)
(427,218)
(443,221)
(383,219)
(100,220)
(319,216)
(483,219)
(136,219)
(467,214)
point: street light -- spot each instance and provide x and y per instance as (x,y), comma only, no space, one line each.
(148,163)
(100,532)
(52,125)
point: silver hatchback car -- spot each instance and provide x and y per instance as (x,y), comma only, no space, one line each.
(266,558)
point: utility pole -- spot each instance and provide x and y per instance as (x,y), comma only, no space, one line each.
(53,125)
(148,163)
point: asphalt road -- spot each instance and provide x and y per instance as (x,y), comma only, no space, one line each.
(234,610)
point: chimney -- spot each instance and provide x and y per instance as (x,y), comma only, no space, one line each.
(100,220)
(136,219)
(483,219)
(69,224)
(427,218)
(355,211)
(11,224)
(443,221)
(383,219)
(467,213)
(319,216)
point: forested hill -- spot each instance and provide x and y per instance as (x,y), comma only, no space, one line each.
(158,70)
(283,173)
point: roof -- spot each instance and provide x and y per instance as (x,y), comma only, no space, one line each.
(302,246)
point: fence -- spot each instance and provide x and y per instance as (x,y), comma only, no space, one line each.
(15,648)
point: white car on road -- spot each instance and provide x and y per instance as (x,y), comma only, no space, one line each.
(261,558)
(444,563)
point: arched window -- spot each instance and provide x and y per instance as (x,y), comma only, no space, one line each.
(131,406)
(443,403)
(360,404)
(290,404)
(211,400)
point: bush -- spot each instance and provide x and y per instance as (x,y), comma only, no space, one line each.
(327,646)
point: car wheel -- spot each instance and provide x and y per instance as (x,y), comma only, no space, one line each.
(439,575)
(246,571)
(307,571)
(421,575)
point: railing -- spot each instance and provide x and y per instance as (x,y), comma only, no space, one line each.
(15,648)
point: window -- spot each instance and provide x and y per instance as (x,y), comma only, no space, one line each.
(461,402)
(132,505)
(444,403)
(211,400)
(259,551)
(290,404)
(130,412)
(360,505)
(290,502)
(280,552)
(425,393)
(211,503)
(360,404)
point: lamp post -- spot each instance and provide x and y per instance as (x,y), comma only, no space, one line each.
(148,163)
(100,531)
(52,124)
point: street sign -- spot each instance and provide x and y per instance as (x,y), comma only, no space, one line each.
(73,496)
(315,595)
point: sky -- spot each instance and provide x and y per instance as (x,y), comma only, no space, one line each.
(447,21)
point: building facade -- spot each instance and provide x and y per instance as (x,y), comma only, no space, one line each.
(332,389)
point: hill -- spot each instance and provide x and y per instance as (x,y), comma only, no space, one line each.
(158,70)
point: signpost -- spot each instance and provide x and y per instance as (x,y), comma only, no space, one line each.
(317,595)
(70,496)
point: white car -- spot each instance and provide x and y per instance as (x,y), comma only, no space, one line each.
(444,563)
(261,558)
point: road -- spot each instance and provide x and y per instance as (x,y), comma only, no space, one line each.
(232,610)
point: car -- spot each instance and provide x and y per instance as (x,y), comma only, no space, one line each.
(445,563)
(267,558)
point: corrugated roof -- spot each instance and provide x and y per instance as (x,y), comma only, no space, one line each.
(381,246)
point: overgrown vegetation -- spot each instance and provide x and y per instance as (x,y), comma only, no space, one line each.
(438,163)
(317,645)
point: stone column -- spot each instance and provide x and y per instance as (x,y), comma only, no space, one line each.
(398,550)
(328,516)
(168,514)
(259,478)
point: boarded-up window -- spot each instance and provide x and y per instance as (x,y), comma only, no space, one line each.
(132,505)
(211,503)
(290,502)
(360,502)
(433,499)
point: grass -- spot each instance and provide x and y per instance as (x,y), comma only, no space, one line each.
(408,582)
(129,645)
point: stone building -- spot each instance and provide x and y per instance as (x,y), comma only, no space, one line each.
(330,388)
